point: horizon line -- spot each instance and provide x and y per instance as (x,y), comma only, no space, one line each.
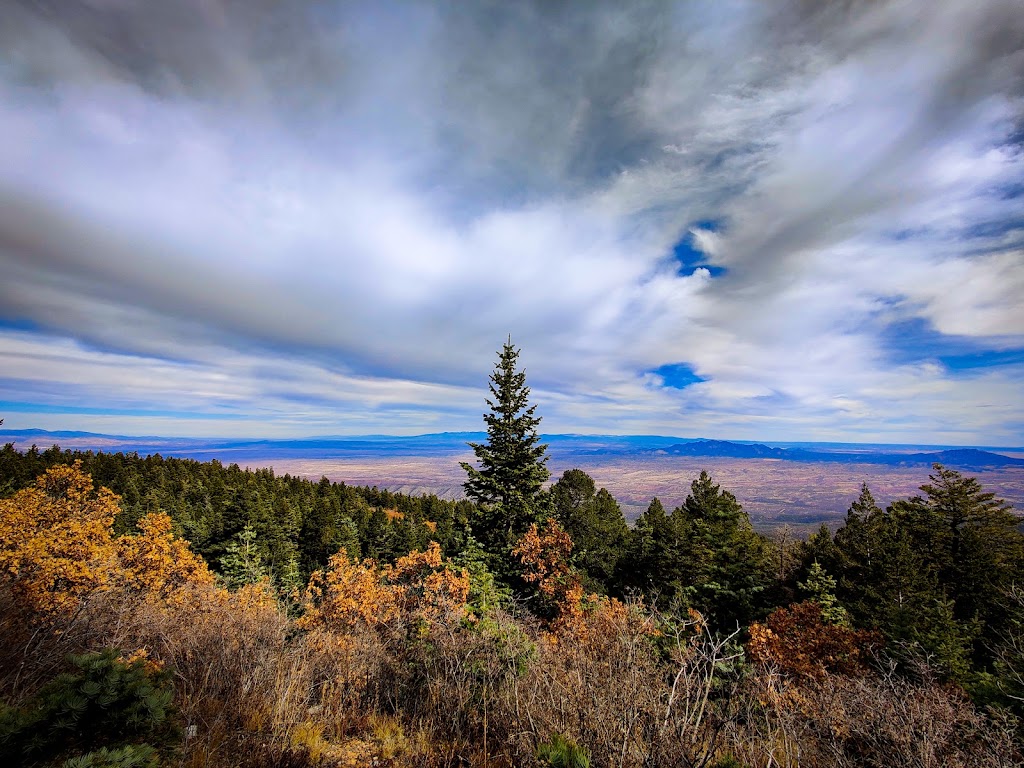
(544,436)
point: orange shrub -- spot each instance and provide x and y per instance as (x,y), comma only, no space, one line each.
(348,594)
(545,558)
(800,643)
(55,539)
(57,545)
(420,587)
(158,564)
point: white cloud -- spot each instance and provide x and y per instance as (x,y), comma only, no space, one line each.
(241,221)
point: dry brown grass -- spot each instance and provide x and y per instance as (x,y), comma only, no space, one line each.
(633,689)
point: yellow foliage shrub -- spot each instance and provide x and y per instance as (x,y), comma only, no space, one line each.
(420,587)
(348,594)
(157,564)
(55,539)
(57,546)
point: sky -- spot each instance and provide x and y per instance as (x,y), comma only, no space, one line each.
(737,220)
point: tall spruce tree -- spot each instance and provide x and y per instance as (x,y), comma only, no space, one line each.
(973,543)
(508,485)
(724,561)
(932,571)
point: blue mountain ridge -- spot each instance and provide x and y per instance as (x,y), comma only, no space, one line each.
(970,458)
(452,443)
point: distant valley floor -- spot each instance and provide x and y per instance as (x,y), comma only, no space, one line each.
(801,484)
(773,492)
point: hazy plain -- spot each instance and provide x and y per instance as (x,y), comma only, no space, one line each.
(773,492)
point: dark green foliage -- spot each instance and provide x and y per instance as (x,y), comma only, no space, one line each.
(1005,684)
(485,593)
(130,756)
(596,525)
(888,580)
(326,528)
(574,490)
(508,485)
(105,701)
(932,571)
(562,752)
(724,562)
(821,588)
(651,562)
(242,563)
(705,555)
(298,523)
(851,554)
(973,539)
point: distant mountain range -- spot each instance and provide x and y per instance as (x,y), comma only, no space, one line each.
(968,458)
(452,443)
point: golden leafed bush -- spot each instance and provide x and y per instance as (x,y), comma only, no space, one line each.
(420,587)
(57,546)
(348,594)
(55,539)
(158,563)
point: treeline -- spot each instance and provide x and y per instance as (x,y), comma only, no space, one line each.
(297,523)
(931,573)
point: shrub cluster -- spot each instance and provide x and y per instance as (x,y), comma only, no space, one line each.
(125,650)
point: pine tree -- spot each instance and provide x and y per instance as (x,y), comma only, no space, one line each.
(651,563)
(724,561)
(930,571)
(972,540)
(595,523)
(508,485)
(855,540)
(821,588)
(573,491)
(243,562)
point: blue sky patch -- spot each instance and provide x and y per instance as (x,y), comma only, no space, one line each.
(915,341)
(17,324)
(989,358)
(677,375)
(689,257)
(994,228)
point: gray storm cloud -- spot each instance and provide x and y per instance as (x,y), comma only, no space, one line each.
(376,194)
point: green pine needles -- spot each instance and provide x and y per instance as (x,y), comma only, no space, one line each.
(562,752)
(104,701)
(508,485)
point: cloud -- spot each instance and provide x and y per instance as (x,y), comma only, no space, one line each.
(333,214)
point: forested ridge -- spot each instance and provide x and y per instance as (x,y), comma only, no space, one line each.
(169,611)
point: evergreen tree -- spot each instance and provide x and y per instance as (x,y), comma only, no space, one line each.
(821,547)
(821,588)
(594,522)
(243,563)
(931,571)
(508,485)
(972,542)
(856,541)
(570,495)
(723,560)
(651,563)
(605,539)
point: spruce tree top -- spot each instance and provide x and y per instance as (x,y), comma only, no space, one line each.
(512,467)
